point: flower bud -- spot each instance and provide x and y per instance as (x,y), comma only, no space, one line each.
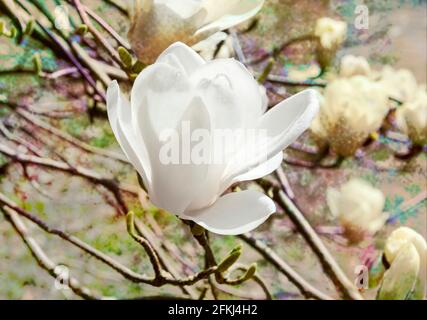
(400,280)
(359,208)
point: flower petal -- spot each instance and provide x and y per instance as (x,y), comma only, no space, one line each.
(119,115)
(235,213)
(262,170)
(225,84)
(224,14)
(182,55)
(152,90)
(283,124)
(165,175)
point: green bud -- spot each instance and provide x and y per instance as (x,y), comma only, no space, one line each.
(38,69)
(130,222)
(2,27)
(197,230)
(125,57)
(400,280)
(13,32)
(137,67)
(82,29)
(29,27)
(266,71)
(228,261)
(250,272)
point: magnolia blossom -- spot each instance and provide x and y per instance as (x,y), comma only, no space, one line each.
(397,244)
(331,33)
(359,208)
(218,45)
(159,23)
(411,117)
(399,84)
(220,95)
(351,109)
(353,66)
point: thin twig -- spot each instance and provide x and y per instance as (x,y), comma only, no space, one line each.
(306,289)
(124,43)
(69,138)
(123,270)
(330,265)
(42,259)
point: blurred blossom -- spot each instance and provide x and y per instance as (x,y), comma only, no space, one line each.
(159,23)
(411,117)
(216,95)
(351,109)
(353,66)
(331,33)
(400,242)
(219,45)
(399,84)
(359,208)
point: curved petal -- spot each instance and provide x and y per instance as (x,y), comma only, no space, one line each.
(152,90)
(282,124)
(179,55)
(234,213)
(181,169)
(262,170)
(119,116)
(224,14)
(184,9)
(226,83)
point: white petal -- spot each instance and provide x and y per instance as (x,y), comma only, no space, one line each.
(184,9)
(283,124)
(119,115)
(262,170)
(224,14)
(207,47)
(235,213)
(174,185)
(225,84)
(152,90)
(182,55)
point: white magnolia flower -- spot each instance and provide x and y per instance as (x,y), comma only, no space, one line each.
(331,33)
(401,238)
(353,66)
(399,84)
(218,45)
(351,109)
(411,117)
(159,23)
(359,208)
(217,95)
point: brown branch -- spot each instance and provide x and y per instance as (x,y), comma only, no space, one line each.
(329,264)
(108,181)
(123,270)
(107,27)
(98,36)
(67,137)
(306,289)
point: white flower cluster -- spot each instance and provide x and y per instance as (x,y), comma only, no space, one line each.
(356,102)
